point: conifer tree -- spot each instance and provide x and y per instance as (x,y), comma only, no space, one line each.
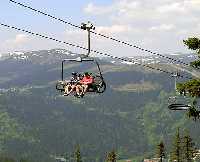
(161,151)
(188,148)
(78,154)
(193,113)
(192,86)
(176,154)
(111,157)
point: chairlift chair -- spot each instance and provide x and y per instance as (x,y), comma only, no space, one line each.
(99,85)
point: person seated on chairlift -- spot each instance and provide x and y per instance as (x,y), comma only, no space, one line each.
(86,81)
(71,86)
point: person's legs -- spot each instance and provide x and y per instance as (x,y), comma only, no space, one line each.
(79,90)
(85,87)
(68,88)
(72,88)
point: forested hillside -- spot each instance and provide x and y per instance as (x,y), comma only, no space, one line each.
(38,123)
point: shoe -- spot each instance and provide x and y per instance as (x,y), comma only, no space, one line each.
(78,95)
(66,94)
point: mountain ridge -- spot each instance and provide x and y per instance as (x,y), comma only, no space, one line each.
(147,59)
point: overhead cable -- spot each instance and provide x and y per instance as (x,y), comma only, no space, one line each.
(102,35)
(95,51)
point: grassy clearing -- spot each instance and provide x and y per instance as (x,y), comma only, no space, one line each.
(137,87)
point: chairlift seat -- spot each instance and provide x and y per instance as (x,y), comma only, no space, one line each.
(179,107)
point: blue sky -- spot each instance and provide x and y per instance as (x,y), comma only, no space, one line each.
(66,9)
(72,11)
(62,8)
(157,25)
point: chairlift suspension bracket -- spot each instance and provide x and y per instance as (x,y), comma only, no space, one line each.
(176,75)
(88,26)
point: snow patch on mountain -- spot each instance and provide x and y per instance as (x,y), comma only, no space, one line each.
(18,55)
(127,62)
(57,55)
(174,54)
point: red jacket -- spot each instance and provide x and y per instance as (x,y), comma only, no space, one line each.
(87,80)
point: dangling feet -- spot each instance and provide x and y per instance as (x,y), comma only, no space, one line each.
(66,94)
(79,95)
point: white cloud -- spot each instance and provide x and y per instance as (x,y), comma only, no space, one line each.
(113,29)
(19,40)
(75,36)
(97,10)
(163,27)
(184,6)
(124,5)
(120,6)
(23,42)
(173,7)
(156,24)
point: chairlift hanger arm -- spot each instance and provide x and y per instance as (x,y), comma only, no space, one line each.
(88,26)
(98,66)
